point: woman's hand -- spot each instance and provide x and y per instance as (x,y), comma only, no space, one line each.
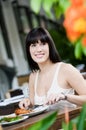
(53,98)
(24,103)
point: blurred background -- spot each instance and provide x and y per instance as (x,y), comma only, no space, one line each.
(16,19)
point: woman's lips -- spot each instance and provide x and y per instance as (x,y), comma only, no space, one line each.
(39,55)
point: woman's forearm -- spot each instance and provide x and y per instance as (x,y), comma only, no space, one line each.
(76,99)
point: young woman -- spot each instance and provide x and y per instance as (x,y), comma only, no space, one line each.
(51,81)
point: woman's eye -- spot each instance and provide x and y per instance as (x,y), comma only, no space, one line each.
(43,43)
(33,45)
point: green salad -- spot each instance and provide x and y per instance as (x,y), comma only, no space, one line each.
(10,119)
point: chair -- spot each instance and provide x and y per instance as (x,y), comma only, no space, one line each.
(6,77)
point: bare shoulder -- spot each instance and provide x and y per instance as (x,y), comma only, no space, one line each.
(67,67)
(69,71)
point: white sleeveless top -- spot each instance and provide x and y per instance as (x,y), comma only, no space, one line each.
(55,88)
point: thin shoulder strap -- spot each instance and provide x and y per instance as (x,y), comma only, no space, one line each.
(57,69)
(56,73)
(36,79)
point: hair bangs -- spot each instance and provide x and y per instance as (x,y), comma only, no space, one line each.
(38,36)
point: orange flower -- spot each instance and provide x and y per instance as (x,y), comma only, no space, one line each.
(72,36)
(73,12)
(77,2)
(80,25)
(75,22)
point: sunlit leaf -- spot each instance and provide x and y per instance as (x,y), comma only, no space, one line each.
(65,126)
(75,120)
(47,5)
(36,5)
(64,4)
(82,117)
(45,123)
(78,51)
(58,11)
(84,50)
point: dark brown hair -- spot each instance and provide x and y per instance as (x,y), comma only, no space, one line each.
(43,35)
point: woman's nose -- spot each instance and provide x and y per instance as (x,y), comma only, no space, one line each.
(38,48)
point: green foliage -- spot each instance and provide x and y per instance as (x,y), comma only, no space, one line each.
(58,6)
(36,5)
(84,50)
(78,50)
(79,123)
(47,4)
(82,118)
(45,123)
(63,46)
(54,9)
(64,4)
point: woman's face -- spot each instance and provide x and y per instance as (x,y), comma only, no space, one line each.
(39,52)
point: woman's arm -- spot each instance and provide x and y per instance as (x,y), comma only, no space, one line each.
(72,79)
(78,83)
(31,87)
(26,102)
(76,99)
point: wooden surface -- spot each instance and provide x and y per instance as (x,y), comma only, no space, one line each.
(30,121)
(23,79)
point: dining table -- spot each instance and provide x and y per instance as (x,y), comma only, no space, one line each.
(26,124)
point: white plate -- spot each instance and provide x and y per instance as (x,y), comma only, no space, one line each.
(37,110)
(11,100)
(14,122)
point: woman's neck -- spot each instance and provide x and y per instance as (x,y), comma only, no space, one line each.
(44,67)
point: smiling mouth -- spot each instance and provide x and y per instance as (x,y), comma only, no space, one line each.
(39,55)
